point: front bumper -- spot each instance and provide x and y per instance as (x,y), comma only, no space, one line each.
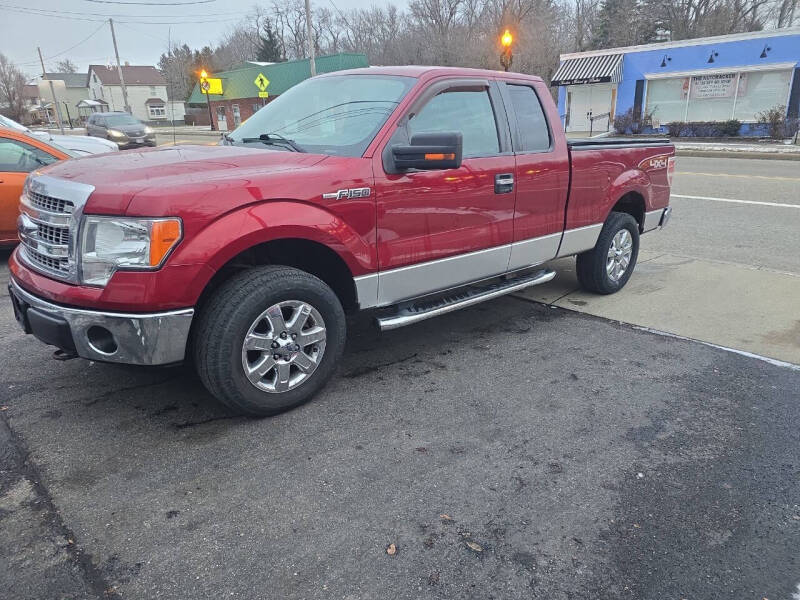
(131,338)
(134,142)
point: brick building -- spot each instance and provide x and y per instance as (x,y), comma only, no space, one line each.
(240,98)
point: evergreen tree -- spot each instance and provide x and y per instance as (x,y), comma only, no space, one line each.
(269,47)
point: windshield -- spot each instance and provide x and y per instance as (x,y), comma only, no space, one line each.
(336,115)
(71,153)
(6,122)
(121,120)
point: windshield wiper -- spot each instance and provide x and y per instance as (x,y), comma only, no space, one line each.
(274,139)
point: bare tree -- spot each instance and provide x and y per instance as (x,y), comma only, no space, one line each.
(12,85)
(66,66)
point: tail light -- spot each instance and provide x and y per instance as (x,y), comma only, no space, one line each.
(670,170)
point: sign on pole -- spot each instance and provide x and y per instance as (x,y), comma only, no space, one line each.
(211,86)
(261,83)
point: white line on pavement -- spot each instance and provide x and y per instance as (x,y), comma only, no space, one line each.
(731,200)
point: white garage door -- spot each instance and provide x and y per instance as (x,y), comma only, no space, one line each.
(596,98)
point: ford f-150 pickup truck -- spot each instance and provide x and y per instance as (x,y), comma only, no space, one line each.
(408,191)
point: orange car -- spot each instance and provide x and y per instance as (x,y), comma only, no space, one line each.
(19,155)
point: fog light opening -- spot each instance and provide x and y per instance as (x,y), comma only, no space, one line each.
(101,340)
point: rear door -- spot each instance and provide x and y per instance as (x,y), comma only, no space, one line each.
(442,228)
(541,174)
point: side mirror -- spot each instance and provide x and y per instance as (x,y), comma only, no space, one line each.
(429,151)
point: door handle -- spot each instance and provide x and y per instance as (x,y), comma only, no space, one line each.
(503,183)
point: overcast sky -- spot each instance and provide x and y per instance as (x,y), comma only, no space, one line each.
(24,25)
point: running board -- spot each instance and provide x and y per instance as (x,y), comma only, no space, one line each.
(421,310)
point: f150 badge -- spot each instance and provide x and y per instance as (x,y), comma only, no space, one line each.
(350,193)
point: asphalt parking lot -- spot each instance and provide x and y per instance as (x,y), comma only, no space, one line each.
(510,450)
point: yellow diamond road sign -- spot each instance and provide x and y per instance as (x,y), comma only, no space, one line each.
(261,82)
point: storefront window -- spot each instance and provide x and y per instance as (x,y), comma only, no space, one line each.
(666,99)
(761,90)
(717,97)
(711,97)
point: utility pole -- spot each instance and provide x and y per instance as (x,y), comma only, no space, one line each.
(310,40)
(56,107)
(119,69)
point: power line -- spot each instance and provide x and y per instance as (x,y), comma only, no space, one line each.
(126,19)
(86,39)
(153,3)
(123,15)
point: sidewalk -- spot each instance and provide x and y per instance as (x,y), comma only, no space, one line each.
(738,149)
(736,306)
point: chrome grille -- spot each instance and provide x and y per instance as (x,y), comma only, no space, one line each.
(52,265)
(53,235)
(51,210)
(50,204)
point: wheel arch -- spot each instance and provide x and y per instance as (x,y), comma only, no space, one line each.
(632,203)
(630,193)
(308,255)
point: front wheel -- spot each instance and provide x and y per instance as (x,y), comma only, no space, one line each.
(606,268)
(269,339)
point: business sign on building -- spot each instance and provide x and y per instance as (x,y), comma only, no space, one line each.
(713,86)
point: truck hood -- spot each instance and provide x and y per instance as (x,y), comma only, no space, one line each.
(118,176)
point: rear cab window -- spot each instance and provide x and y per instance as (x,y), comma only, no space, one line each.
(532,131)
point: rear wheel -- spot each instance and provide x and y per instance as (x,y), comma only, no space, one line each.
(269,339)
(607,267)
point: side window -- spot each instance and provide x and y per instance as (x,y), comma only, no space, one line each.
(531,122)
(469,112)
(19,157)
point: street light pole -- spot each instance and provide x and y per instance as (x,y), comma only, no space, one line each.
(205,87)
(119,69)
(310,40)
(56,107)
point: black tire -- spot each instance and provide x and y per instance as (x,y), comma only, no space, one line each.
(226,318)
(591,265)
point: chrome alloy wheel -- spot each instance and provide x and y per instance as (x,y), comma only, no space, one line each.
(619,254)
(284,346)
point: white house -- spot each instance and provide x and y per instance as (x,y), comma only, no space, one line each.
(148,94)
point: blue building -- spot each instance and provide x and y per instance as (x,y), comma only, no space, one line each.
(720,78)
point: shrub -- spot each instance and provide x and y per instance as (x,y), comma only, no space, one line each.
(704,128)
(778,125)
(731,127)
(632,122)
(675,129)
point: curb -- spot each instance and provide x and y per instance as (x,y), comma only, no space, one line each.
(725,154)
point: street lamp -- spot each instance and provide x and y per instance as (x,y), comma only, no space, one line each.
(506,56)
(205,86)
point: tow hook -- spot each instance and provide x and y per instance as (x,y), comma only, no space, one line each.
(64,355)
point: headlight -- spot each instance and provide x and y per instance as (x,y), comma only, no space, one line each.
(148,130)
(115,133)
(109,244)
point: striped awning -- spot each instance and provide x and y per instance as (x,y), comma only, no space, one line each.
(601,68)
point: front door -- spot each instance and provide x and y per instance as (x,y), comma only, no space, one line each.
(442,228)
(17,159)
(222,122)
(590,100)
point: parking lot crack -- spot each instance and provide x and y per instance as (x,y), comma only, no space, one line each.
(42,509)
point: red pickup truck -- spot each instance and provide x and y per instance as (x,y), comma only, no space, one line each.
(409,191)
